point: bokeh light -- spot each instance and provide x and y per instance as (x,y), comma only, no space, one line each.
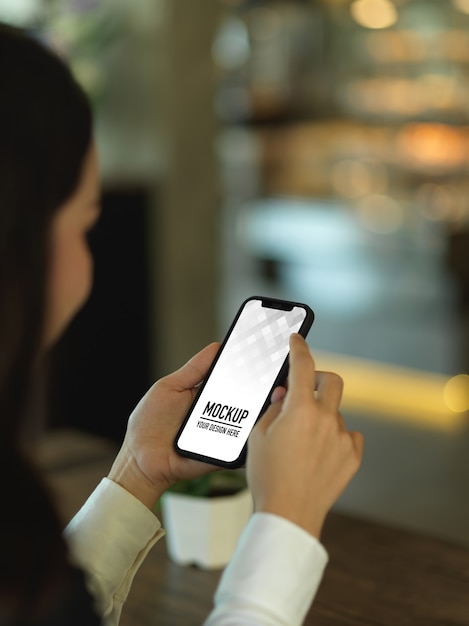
(456,393)
(432,146)
(435,201)
(380,213)
(231,48)
(353,178)
(374,14)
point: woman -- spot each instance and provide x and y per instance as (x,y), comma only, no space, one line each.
(300,457)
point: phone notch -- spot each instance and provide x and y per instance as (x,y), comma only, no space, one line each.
(277,304)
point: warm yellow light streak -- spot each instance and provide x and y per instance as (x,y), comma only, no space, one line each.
(414,396)
(462,5)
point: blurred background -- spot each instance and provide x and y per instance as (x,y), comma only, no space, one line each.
(314,150)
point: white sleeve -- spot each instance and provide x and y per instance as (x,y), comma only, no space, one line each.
(109,538)
(272,578)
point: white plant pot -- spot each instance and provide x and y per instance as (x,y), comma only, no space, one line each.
(204,531)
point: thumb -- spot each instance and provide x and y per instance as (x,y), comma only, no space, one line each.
(194,371)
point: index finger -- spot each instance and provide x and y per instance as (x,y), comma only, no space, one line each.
(302,370)
(329,389)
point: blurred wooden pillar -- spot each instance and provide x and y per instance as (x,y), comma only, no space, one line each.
(185,225)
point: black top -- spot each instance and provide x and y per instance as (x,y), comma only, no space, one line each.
(72,605)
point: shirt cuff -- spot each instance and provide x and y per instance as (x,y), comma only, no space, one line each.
(274,574)
(109,538)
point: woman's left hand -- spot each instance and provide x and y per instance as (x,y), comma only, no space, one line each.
(147,463)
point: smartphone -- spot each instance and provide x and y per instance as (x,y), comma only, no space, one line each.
(251,362)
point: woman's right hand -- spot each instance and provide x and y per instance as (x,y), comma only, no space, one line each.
(300,456)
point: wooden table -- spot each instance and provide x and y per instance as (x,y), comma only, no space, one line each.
(380,575)
(377,575)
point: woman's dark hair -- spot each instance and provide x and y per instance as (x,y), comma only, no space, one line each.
(45,133)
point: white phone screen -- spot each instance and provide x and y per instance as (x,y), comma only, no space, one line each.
(234,394)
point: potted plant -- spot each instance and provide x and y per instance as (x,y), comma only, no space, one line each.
(204,518)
